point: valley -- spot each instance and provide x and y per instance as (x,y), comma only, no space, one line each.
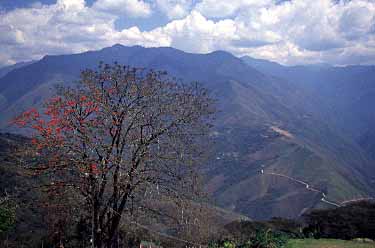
(268,116)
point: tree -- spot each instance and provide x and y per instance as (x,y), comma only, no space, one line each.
(356,220)
(7,216)
(60,215)
(118,134)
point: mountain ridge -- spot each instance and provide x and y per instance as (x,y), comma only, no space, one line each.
(253,104)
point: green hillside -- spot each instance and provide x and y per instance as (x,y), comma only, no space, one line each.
(327,243)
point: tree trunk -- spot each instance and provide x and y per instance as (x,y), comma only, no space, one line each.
(114,241)
(96,232)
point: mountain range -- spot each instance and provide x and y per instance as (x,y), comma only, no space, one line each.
(287,138)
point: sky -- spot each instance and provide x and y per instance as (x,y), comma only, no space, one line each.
(338,32)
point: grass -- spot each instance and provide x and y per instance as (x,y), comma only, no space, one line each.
(327,243)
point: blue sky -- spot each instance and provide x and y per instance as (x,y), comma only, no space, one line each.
(287,31)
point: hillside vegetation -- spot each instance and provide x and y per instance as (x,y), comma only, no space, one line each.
(327,243)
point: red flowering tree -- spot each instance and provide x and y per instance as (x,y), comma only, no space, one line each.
(118,133)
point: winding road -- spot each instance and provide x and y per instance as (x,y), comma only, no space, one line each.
(357,200)
(310,188)
(306,185)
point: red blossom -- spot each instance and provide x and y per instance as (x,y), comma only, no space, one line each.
(94,168)
(68,111)
(53,122)
(20,122)
(71,103)
(38,128)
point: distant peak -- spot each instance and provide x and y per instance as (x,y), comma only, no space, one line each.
(259,62)
(222,52)
(118,45)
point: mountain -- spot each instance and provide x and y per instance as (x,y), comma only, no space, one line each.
(345,95)
(23,189)
(7,69)
(4,70)
(266,123)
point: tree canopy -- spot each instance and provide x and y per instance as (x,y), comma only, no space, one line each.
(117,135)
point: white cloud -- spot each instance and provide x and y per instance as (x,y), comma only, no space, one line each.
(357,19)
(195,33)
(291,32)
(5,60)
(133,8)
(175,9)
(65,27)
(307,31)
(71,4)
(11,35)
(225,8)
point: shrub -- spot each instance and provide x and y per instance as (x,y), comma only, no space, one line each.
(265,238)
(269,239)
(7,218)
(348,222)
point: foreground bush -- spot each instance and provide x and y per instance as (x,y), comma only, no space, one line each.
(7,215)
(262,239)
(348,222)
